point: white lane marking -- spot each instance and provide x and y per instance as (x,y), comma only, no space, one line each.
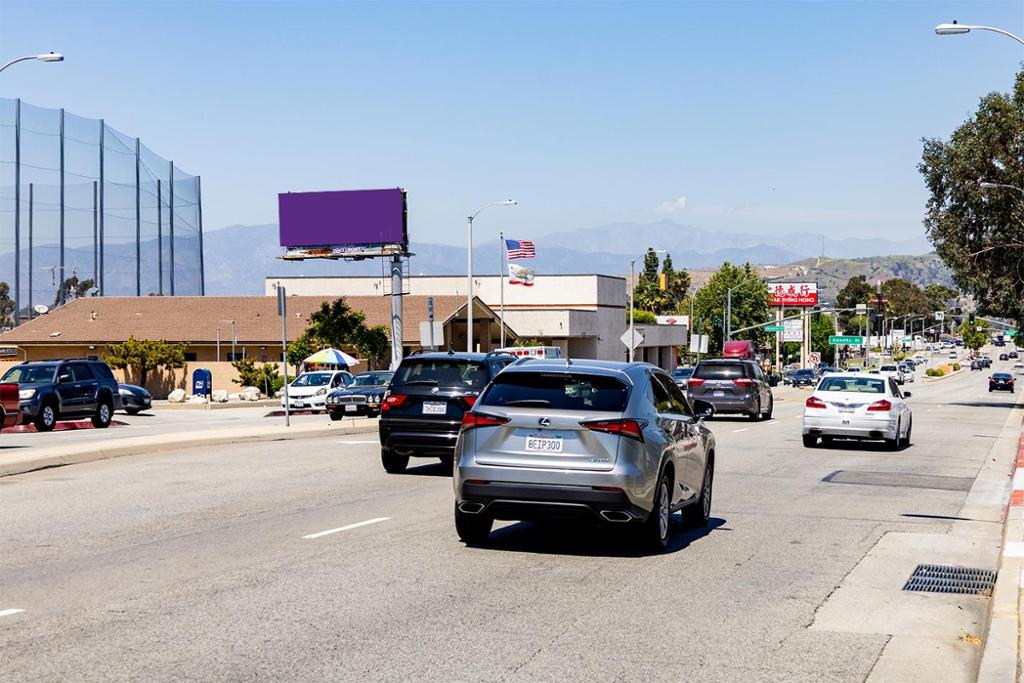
(374,442)
(9,612)
(347,527)
(735,431)
(1014,549)
(798,417)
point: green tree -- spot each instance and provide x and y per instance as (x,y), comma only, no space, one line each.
(939,297)
(647,293)
(72,288)
(143,355)
(642,317)
(979,232)
(264,377)
(301,349)
(677,287)
(749,304)
(822,327)
(975,336)
(904,298)
(6,305)
(336,324)
(374,345)
(857,290)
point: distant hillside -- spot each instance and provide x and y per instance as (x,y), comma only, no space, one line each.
(833,274)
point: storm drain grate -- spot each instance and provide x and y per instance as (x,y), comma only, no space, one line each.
(940,578)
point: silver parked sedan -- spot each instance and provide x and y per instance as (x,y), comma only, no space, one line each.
(602,440)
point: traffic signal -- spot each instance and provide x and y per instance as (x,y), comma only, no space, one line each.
(970,318)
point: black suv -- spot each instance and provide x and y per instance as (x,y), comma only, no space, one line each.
(421,414)
(56,390)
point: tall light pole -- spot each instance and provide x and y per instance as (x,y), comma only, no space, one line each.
(45,57)
(956,29)
(632,297)
(469,272)
(985,185)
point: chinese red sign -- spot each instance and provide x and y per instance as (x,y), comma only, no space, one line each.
(792,294)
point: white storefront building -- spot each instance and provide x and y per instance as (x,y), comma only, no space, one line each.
(584,315)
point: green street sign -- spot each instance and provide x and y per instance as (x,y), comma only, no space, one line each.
(1010,333)
(908,340)
(844,340)
(774,328)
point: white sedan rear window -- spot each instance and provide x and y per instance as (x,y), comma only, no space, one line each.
(863,385)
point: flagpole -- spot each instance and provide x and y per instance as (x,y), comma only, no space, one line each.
(501,280)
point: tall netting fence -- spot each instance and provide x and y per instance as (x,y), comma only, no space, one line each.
(87,210)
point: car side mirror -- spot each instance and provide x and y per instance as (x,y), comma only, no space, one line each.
(907,394)
(703,409)
(64,378)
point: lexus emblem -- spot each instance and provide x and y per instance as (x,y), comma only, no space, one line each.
(434,390)
(544,422)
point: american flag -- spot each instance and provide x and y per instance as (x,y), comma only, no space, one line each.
(519,249)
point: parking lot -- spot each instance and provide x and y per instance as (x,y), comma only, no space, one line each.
(304,560)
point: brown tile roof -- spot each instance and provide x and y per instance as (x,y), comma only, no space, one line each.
(194,318)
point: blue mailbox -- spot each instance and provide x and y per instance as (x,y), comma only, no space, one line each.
(202,382)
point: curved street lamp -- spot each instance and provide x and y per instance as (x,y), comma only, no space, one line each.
(45,57)
(955,29)
(985,185)
(469,272)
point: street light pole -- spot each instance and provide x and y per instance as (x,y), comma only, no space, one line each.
(632,297)
(45,57)
(469,271)
(957,29)
(985,185)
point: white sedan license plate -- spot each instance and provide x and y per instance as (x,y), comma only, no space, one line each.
(544,444)
(350,408)
(432,408)
(846,410)
(718,394)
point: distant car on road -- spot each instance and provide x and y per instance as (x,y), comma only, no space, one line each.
(309,390)
(892,371)
(134,399)
(976,364)
(680,375)
(732,386)
(1004,356)
(362,396)
(1012,354)
(422,411)
(804,377)
(603,440)
(54,391)
(1000,381)
(857,406)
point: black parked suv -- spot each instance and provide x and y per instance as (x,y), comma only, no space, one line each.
(57,390)
(421,414)
(732,386)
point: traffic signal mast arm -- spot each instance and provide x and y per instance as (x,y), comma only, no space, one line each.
(802,315)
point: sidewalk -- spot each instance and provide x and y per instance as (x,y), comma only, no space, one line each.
(21,460)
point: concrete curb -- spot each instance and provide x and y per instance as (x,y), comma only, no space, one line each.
(936,379)
(1001,654)
(145,445)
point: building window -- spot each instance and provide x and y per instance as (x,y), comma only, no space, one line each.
(235,356)
(190,357)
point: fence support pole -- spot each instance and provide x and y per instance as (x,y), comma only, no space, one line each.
(60,282)
(170,210)
(102,284)
(199,208)
(159,239)
(17,211)
(138,224)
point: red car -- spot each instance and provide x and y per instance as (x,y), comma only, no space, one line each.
(11,404)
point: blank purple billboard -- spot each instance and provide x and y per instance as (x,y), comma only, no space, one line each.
(342,218)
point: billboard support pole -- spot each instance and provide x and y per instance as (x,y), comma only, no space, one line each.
(199,217)
(282,310)
(30,203)
(469,287)
(60,283)
(95,236)
(396,311)
(159,240)
(101,282)
(138,219)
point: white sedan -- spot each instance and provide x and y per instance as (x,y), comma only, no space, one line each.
(309,390)
(858,406)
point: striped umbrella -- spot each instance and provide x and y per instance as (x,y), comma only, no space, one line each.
(331,357)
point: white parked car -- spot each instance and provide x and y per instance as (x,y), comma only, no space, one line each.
(858,406)
(310,389)
(892,371)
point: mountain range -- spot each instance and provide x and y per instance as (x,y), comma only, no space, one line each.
(239,257)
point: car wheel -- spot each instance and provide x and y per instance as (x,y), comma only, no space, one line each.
(335,415)
(906,438)
(447,460)
(472,529)
(655,527)
(47,418)
(101,418)
(756,415)
(894,444)
(393,464)
(697,514)
(132,411)
(810,441)
(771,409)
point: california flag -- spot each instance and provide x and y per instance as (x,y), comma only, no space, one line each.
(520,275)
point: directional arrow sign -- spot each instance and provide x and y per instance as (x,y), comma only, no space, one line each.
(635,341)
(774,328)
(840,340)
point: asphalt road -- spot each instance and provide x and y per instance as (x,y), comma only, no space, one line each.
(214,564)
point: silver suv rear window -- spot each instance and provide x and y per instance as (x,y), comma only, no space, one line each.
(558,391)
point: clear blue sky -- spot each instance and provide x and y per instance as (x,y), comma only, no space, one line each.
(764,116)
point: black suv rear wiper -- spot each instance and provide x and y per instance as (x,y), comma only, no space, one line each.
(420,381)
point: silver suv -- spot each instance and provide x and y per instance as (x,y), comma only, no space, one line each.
(602,440)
